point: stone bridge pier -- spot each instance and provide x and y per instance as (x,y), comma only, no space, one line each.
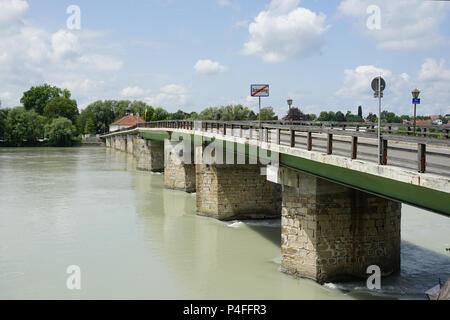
(235,191)
(179,172)
(149,154)
(334,233)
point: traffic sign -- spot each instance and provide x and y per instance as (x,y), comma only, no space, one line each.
(416,101)
(259,90)
(375,84)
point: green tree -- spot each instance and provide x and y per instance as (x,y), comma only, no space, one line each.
(372,117)
(268,114)
(60,132)
(160,114)
(3,118)
(37,97)
(339,116)
(149,114)
(90,127)
(62,107)
(23,127)
(324,116)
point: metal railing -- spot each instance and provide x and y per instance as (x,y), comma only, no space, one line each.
(426,135)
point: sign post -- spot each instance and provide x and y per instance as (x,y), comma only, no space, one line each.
(378,85)
(416,101)
(260,90)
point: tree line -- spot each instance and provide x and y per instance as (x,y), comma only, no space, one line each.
(50,116)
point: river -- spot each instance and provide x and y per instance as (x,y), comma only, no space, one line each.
(132,239)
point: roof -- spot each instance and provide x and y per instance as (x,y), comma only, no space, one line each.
(128,121)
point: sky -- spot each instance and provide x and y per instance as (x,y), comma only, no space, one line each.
(193,54)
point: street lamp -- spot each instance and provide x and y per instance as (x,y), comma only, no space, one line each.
(289,102)
(415,94)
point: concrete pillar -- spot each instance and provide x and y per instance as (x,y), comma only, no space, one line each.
(178,173)
(149,155)
(108,142)
(228,192)
(334,233)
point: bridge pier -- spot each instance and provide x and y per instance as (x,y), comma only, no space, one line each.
(179,172)
(334,233)
(130,143)
(235,191)
(108,142)
(149,155)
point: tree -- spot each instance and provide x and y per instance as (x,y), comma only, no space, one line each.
(372,118)
(324,116)
(339,116)
(268,114)
(360,112)
(23,126)
(149,114)
(160,115)
(61,107)
(90,127)
(3,117)
(37,97)
(60,132)
(294,114)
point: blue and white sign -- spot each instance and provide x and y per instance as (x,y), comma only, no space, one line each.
(416,101)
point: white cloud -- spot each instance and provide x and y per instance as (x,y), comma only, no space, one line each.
(357,81)
(170,96)
(285,31)
(132,92)
(405,24)
(432,79)
(30,55)
(209,67)
(12,12)
(65,44)
(432,71)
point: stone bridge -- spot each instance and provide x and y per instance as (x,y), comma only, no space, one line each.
(339,213)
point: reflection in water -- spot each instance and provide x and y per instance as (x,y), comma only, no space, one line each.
(135,240)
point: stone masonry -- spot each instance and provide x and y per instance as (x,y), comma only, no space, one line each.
(178,175)
(228,192)
(149,155)
(334,233)
(130,143)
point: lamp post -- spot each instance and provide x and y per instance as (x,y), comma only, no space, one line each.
(415,94)
(289,102)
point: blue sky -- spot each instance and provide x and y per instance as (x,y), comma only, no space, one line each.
(193,54)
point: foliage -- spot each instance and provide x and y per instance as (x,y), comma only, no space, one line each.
(37,97)
(61,107)
(268,114)
(90,127)
(3,117)
(360,112)
(23,126)
(294,114)
(60,132)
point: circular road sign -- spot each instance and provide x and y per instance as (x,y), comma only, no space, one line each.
(375,84)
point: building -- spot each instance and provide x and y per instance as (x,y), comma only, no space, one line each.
(436,120)
(125,123)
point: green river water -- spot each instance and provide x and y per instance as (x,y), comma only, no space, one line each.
(133,239)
